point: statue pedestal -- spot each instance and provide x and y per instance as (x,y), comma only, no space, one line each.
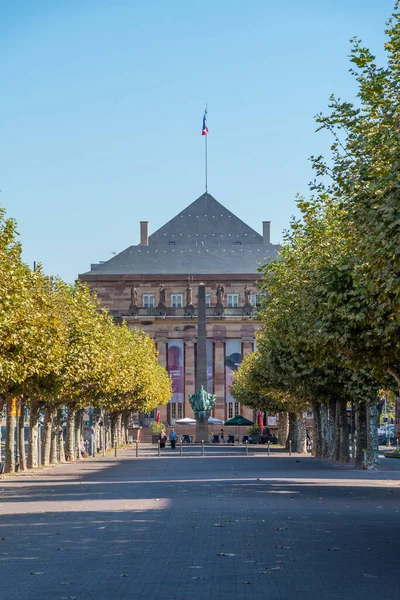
(202,431)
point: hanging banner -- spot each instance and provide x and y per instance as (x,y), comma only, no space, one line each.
(209,354)
(233,358)
(175,367)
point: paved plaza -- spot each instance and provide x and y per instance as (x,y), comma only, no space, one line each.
(223,526)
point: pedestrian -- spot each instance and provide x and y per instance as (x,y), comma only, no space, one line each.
(172,439)
(163,439)
(221,436)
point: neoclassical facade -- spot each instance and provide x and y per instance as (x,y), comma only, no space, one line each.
(153,286)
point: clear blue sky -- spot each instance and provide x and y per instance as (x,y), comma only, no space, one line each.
(102,103)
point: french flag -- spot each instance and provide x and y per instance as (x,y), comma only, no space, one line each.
(204,131)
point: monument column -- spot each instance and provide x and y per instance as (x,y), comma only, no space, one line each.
(247,347)
(190,376)
(162,360)
(219,378)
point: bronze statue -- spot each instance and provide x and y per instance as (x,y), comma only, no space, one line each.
(134,296)
(162,295)
(247,294)
(220,294)
(189,296)
(202,403)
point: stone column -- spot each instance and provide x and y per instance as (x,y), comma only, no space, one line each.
(219,378)
(162,359)
(190,376)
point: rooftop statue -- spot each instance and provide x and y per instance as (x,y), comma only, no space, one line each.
(202,403)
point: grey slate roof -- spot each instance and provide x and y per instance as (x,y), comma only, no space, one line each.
(205,222)
(202,239)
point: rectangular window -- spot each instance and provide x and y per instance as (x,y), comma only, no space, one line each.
(230,410)
(208,299)
(233,300)
(148,300)
(254,300)
(173,410)
(180,410)
(176,300)
(236,408)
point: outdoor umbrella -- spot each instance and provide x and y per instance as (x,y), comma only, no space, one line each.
(238,420)
(260,420)
(158,419)
(185,421)
(213,421)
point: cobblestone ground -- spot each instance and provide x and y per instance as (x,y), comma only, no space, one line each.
(222,526)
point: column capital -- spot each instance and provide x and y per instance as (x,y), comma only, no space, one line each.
(190,342)
(219,341)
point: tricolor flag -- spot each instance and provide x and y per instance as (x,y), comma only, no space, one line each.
(204,131)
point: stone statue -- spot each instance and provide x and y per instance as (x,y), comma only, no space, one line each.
(134,295)
(247,294)
(162,295)
(189,296)
(220,294)
(202,403)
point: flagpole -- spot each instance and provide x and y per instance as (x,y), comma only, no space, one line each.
(205,141)
(206,159)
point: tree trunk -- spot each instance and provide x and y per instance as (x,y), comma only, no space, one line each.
(1,425)
(331,428)
(283,430)
(33,440)
(372,436)
(46,439)
(325,431)
(9,466)
(54,439)
(114,429)
(301,433)
(60,436)
(108,432)
(317,430)
(119,430)
(361,433)
(291,431)
(78,433)
(126,427)
(336,440)
(344,432)
(21,439)
(70,435)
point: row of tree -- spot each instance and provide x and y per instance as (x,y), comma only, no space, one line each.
(330,331)
(59,352)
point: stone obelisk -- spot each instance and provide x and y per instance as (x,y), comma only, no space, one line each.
(201,358)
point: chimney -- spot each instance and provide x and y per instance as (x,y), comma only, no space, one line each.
(266,232)
(144,233)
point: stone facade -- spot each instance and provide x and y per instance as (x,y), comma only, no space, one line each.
(160,303)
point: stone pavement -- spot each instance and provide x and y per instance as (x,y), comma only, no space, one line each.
(223,526)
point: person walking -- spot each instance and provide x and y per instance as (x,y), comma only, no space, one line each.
(172,439)
(163,439)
